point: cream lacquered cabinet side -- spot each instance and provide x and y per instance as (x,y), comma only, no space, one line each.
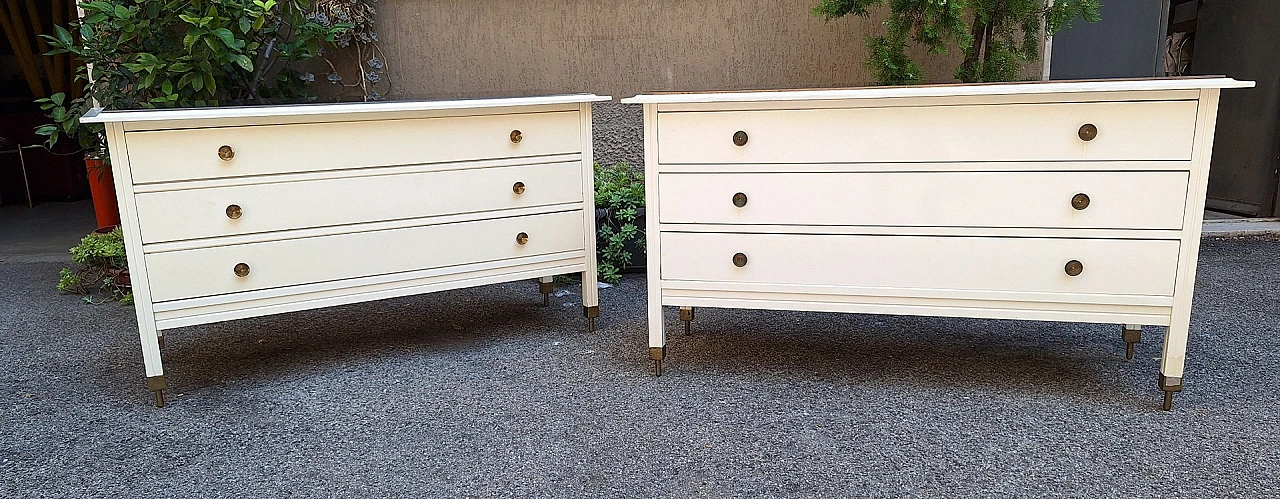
(150,336)
(653,239)
(1173,358)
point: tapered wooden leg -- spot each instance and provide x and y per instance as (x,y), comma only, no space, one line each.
(590,298)
(151,344)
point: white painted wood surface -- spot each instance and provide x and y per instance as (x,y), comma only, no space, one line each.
(347,203)
(1159,130)
(317,112)
(275,206)
(192,154)
(952,91)
(950,200)
(1111,266)
(1123,200)
(204,272)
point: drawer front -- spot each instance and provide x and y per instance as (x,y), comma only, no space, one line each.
(1109,266)
(1128,200)
(244,209)
(212,271)
(172,155)
(1159,130)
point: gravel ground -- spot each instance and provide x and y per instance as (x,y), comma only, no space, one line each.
(481,392)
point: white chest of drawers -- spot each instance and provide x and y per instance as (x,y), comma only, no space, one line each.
(231,213)
(1060,201)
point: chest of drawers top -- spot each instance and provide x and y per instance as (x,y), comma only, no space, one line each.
(1130,120)
(178,145)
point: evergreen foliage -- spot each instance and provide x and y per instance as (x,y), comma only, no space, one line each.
(999,38)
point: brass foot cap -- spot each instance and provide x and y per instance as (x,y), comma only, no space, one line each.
(156,383)
(591,312)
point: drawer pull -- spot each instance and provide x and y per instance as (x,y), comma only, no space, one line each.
(234,212)
(1074,268)
(522,238)
(1088,132)
(241,269)
(518,188)
(1080,201)
(739,260)
(516,136)
(739,199)
(739,138)
(226,153)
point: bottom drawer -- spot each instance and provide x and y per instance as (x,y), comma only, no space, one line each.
(210,271)
(1108,266)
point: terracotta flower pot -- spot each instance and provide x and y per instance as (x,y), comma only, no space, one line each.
(103,187)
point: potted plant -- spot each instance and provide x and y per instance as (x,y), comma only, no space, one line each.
(620,221)
(164,53)
(104,271)
(91,139)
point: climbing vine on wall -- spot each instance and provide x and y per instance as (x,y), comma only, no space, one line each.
(359,41)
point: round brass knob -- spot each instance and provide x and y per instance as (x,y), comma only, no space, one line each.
(739,199)
(1088,132)
(1074,268)
(518,188)
(241,269)
(739,138)
(226,153)
(234,212)
(1080,201)
(739,260)
(522,238)
(516,136)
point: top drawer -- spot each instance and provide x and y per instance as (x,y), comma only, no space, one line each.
(172,155)
(1156,130)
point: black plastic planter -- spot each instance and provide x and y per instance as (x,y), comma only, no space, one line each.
(638,258)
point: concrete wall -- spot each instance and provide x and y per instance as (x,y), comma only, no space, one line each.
(467,48)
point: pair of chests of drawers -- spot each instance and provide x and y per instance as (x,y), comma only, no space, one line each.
(243,208)
(1077,197)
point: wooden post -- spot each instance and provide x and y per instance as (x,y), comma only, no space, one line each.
(37,28)
(17,34)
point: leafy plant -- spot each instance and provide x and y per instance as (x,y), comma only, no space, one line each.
(103,272)
(66,114)
(1003,35)
(181,53)
(620,193)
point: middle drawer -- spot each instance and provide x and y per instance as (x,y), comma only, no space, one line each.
(245,209)
(1090,199)
(175,275)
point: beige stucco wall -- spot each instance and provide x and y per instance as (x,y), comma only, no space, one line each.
(480,48)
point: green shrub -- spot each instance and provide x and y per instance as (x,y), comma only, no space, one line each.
(103,266)
(1003,35)
(620,192)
